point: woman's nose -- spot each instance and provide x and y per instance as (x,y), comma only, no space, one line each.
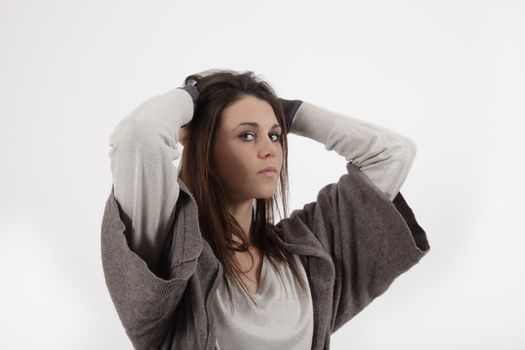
(268,148)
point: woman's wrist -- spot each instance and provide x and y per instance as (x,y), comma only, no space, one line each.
(192,90)
(194,93)
(290,108)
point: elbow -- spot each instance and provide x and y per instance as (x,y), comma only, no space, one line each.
(407,154)
(403,160)
(403,153)
(409,150)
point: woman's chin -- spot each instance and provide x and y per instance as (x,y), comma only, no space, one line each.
(268,195)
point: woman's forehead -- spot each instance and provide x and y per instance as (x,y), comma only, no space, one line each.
(249,109)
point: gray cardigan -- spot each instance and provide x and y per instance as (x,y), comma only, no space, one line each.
(353,242)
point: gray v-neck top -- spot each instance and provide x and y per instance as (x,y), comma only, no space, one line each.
(282,318)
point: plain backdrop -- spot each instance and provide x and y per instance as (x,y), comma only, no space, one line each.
(447,74)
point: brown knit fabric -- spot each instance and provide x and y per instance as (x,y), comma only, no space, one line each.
(353,242)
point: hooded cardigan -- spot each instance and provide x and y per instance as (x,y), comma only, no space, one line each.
(353,242)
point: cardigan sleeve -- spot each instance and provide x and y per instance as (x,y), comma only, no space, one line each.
(146,302)
(371,240)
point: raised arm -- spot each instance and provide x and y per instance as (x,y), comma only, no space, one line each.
(143,147)
(382,154)
(148,253)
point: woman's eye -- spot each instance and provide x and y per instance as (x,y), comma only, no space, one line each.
(277,136)
(242,136)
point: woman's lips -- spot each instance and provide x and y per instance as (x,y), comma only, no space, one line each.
(269,173)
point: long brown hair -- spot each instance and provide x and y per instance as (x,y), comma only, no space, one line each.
(217,91)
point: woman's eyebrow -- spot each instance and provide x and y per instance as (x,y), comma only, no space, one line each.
(256,125)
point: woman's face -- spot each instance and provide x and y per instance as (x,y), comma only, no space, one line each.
(241,151)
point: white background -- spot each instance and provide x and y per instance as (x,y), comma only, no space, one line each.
(447,74)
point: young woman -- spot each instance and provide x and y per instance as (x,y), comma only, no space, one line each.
(192,256)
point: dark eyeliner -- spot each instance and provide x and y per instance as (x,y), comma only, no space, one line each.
(241,135)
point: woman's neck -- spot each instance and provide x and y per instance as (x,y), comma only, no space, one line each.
(243,213)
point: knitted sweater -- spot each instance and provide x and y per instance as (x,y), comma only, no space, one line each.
(165,299)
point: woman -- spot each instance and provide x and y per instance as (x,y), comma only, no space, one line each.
(175,241)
